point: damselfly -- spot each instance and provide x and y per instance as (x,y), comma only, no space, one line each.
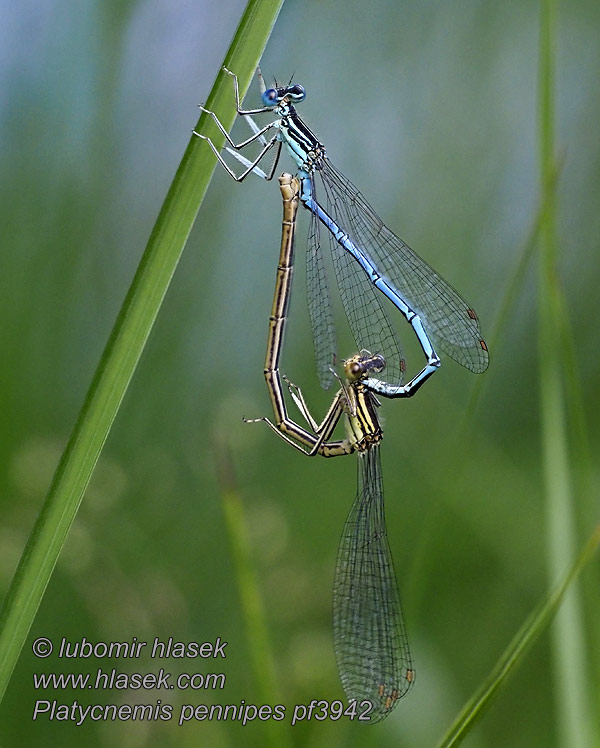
(369,635)
(366,255)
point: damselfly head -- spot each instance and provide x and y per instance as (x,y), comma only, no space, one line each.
(363,365)
(274,96)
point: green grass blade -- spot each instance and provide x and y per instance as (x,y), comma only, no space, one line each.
(573,710)
(507,305)
(516,650)
(126,343)
(253,611)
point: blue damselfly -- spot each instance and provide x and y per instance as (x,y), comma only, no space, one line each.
(366,256)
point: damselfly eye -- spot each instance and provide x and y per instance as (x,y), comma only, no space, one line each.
(378,363)
(297,92)
(270,97)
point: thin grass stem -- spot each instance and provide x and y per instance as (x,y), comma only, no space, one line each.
(125,345)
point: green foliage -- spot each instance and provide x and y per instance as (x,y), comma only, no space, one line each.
(444,116)
(122,353)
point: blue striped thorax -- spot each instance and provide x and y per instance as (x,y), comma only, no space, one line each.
(301,142)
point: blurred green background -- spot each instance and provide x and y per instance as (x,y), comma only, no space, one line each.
(431,109)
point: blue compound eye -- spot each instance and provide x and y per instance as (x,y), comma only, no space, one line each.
(297,92)
(270,97)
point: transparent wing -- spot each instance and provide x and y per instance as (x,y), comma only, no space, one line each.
(367,319)
(319,306)
(446,316)
(368,629)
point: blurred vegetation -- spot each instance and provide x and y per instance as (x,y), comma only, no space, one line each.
(432,110)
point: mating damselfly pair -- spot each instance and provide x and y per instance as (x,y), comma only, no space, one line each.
(370,640)
(367,257)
